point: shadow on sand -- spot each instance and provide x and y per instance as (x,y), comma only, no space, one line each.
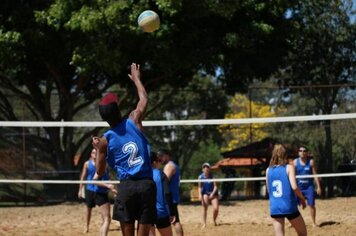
(327,223)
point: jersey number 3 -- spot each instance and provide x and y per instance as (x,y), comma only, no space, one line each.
(131,148)
(278,185)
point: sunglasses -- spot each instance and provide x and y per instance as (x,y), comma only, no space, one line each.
(303,150)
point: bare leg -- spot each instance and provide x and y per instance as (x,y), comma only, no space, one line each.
(143,229)
(105,215)
(313,215)
(204,203)
(215,205)
(278,225)
(179,229)
(152,231)
(299,226)
(128,229)
(87,217)
(166,231)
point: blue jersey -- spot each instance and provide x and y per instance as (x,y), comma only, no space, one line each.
(174,184)
(128,151)
(304,183)
(91,172)
(282,198)
(207,187)
(161,202)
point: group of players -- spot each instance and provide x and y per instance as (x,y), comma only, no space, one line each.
(150,196)
(286,192)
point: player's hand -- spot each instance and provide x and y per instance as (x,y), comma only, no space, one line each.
(318,191)
(96,142)
(80,196)
(303,203)
(96,176)
(172,219)
(135,72)
(99,143)
(112,188)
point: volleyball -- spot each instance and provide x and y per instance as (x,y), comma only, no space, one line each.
(148,21)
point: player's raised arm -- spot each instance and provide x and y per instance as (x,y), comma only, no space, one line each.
(137,114)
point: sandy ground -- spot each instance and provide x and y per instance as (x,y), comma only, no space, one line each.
(251,217)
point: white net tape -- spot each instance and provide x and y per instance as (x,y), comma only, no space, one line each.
(180,122)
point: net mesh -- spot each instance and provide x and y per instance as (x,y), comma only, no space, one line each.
(33,173)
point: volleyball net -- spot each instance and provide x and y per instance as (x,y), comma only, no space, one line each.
(24,174)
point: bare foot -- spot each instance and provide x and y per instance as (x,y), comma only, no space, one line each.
(203,226)
(315,225)
(86,230)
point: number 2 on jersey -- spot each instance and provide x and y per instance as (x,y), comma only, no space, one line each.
(132,149)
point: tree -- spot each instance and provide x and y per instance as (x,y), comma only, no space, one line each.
(323,54)
(58,57)
(201,99)
(241,107)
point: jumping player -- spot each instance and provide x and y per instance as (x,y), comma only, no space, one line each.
(125,148)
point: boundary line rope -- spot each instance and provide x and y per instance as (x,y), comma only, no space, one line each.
(30,181)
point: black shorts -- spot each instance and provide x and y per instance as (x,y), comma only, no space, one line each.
(136,200)
(93,199)
(175,211)
(163,222)
(288,216)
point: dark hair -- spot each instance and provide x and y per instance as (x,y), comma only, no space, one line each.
(306,149)
(154,157)
(110,113)
(162,152)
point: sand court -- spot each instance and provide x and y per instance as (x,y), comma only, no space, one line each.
(336,216)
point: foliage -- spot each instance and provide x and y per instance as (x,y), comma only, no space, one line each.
(241,107)
(58,57)
(202,99)
(323,53)
(207,151)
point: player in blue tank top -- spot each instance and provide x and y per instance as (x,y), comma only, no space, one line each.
(283,192)
(172,171)
(125,148)
(164,203)
(208,192)
(306,166)
(96,194)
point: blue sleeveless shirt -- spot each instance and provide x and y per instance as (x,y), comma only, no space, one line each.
(174,184)
(282,198)
(91,172)
(128,151)
(306,169)
(207,187)
(161,204)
